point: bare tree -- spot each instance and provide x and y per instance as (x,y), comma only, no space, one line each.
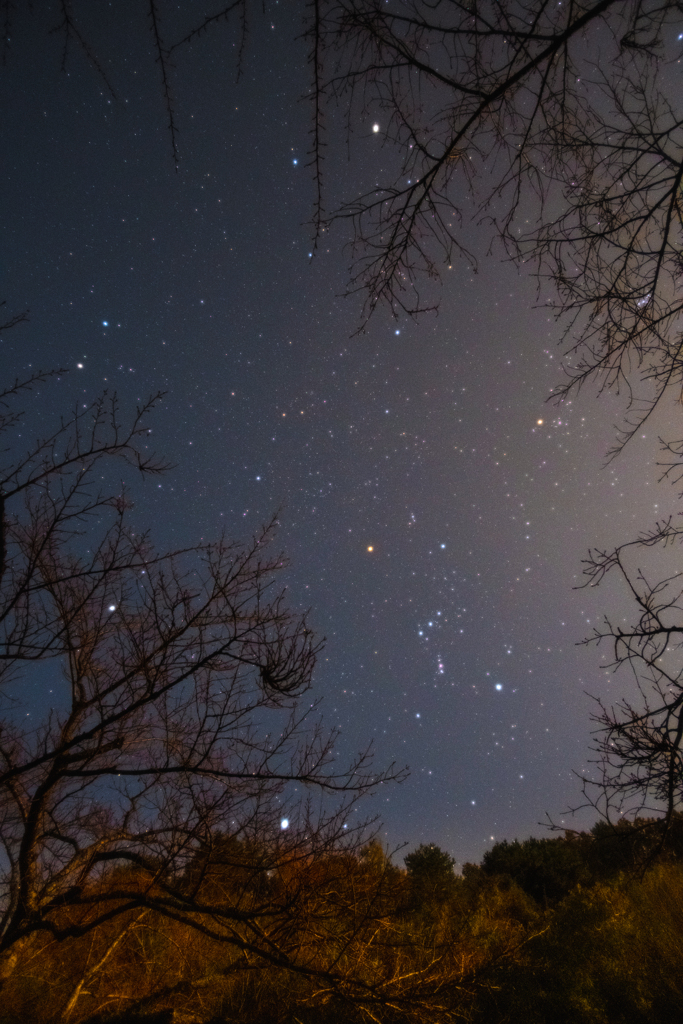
(559,129)
(639,740)
(174,718)
(558,126)
(67,22)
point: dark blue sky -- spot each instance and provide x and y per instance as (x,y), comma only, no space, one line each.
(451,643)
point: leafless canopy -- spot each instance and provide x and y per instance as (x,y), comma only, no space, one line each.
(175,721)
(558,125)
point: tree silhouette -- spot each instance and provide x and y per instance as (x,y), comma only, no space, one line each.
(557,126)
(174,720)
(560,128)
(430,871)
(639,741)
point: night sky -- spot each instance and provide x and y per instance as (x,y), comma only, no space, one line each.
(435,527)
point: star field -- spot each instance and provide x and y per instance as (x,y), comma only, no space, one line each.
(434,508)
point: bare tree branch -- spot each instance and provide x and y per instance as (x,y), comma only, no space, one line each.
(177,734)
(555,126)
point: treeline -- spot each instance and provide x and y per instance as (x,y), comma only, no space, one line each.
(584,927)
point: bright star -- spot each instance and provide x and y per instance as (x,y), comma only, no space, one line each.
(284,823)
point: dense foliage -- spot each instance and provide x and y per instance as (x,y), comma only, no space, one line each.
(556,929)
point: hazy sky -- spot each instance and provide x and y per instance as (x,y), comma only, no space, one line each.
(434,526)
